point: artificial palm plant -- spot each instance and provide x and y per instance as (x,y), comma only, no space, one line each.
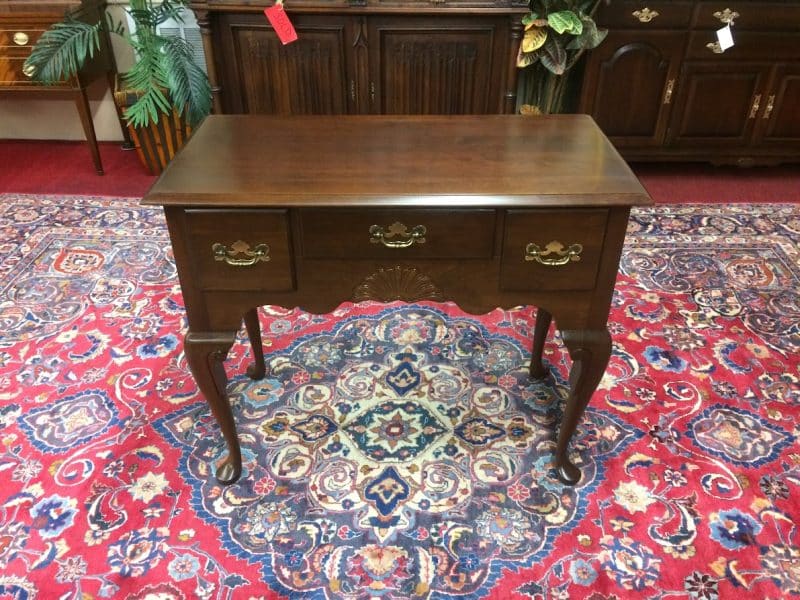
(557,33)
(164,78)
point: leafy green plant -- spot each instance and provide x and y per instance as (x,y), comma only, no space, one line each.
(557,33)
(164,75)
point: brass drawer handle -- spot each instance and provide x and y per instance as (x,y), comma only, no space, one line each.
(223,253)
(378,234)
(727,16)
(536,254)
(21,38)
(645,15)
(715,47)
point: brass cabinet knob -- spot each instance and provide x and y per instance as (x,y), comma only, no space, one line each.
(21,38)
(645,15)
(28,70)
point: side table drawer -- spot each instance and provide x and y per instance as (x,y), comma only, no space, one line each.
(398,233)
(552,249)
(240,250)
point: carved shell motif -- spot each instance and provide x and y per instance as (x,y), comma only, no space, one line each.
(397,283)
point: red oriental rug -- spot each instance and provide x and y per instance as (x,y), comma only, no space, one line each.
(398,451)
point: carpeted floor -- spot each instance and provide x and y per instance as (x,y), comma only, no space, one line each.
(41,167)
(363,484)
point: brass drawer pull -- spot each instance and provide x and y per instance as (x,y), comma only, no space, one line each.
(378,234)
(28,70)
(645,15)
(715,47)
(21,38)
(727,16)
(534,253)
(223,253)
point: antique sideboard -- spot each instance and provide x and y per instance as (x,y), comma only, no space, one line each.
(662,88)
(22,23)
(364,56)
(311,211)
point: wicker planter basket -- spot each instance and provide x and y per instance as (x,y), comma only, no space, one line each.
(157,143)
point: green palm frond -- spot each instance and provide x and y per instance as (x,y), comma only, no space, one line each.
(188,83)
(62,50)
(148,78)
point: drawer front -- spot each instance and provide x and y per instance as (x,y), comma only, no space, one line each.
(12,74)
(748,46)
(552,249)
(398,234)
(18,41)
(762,16)
(645,16)
(225,244)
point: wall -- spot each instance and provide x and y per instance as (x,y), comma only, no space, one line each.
(58,119)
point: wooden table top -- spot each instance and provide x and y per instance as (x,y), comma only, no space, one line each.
(387,160)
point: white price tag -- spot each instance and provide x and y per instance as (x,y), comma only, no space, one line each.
(725,38)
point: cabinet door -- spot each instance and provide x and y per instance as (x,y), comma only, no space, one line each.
(629,84)
(779,119)
(442,65)
(261,75)
(717,104)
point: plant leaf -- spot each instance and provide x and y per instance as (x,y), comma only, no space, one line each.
(553,56)
(534,39)
(188,83)
(565,21)
(526,59)
(63,49)
(590,37)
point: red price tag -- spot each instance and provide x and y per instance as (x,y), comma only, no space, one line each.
(280,22)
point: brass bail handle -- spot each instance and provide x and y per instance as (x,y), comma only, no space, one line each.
(561,255)
(406,237)
(229,255)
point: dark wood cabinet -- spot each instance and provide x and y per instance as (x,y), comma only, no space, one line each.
(662,89)
(22,23)
(365,57)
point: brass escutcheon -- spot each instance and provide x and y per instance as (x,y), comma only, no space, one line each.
(378,234)
(563,256)
(727,16)
(21,38)
(645,15)
(222,253)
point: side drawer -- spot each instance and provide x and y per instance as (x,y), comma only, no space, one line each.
(11,73)
(645,16)
(18,40)
(553,233)
(240,249)
(346,233)
(748,46)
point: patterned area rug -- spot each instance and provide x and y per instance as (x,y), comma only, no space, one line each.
(398,451)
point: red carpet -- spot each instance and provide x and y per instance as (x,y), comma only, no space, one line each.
(41,167)
(398,451)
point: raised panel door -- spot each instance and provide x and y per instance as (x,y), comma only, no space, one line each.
(309,76)
(442,66)
(779,120)
(629,85)
(717,104)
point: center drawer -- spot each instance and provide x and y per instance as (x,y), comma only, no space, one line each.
(397,233)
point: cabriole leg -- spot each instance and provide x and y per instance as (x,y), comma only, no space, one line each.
(590,351)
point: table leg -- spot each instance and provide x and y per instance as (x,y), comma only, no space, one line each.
(85,112)
(205,354)
(540,329)
(257,369)
(590,351)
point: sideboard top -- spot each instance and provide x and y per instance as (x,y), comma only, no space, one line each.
(382,160)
